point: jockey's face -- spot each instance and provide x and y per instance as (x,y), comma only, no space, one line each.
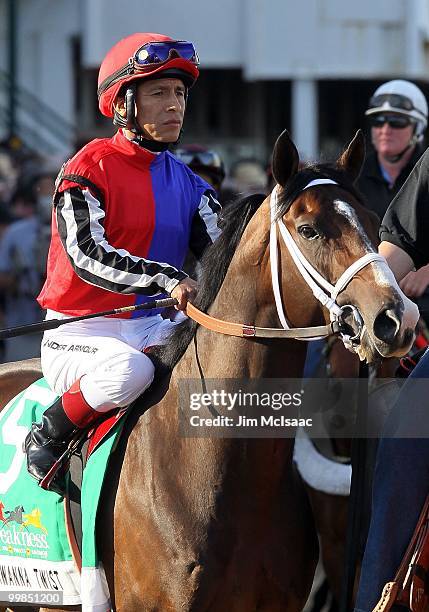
(161,108)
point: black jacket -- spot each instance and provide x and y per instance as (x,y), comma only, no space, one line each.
(406,222)
(374,187)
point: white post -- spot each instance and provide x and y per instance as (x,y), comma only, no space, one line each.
(414,45)
(305,121)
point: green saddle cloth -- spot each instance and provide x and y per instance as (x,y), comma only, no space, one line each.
(38,561)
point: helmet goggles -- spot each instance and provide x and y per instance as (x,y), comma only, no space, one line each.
(393,100)
(199,158)
(161,51)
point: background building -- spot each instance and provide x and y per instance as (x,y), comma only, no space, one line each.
(266,65)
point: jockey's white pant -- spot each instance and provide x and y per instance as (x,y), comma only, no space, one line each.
(106,354)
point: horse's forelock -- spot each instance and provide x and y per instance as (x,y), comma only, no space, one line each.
(310,173)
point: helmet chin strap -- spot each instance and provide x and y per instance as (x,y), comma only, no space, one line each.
(152,145)
(130,123)
(393,159)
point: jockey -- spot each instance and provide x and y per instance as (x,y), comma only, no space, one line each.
(123,206)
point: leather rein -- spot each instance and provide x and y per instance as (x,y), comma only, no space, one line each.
(323,291)
(251,331)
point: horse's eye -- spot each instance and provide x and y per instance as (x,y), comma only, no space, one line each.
(308,232)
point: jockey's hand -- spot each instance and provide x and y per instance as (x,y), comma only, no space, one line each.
(414,284)
(184,291)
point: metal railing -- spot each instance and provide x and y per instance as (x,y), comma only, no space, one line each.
(37,124)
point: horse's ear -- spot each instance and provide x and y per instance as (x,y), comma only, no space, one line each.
(285,159)
(353,157)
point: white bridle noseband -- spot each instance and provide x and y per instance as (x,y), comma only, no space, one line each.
(322,290)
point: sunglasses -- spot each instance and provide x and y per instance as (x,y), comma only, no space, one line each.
(395,122)
(159,52)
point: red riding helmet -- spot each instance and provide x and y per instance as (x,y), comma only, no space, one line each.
(142,55)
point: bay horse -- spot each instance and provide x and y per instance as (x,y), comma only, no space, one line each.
(216,524)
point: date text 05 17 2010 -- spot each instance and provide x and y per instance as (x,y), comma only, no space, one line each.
(24,598)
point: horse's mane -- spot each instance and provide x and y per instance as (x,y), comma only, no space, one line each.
(311,172)
(214,266)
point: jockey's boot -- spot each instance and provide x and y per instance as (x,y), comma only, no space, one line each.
(48,440)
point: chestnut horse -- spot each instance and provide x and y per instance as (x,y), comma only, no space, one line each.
(216,524)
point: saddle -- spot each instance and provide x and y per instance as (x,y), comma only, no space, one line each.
(410,588)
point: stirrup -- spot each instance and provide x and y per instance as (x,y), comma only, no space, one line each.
(63,461)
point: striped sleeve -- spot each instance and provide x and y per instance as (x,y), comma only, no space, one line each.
(204,229)
(80,226)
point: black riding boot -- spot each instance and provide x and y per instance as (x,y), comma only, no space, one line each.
(46,442)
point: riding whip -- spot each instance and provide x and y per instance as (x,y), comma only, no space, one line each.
(33,328)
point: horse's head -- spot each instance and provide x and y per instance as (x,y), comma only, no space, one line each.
(322,213)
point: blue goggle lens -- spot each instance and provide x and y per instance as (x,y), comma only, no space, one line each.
(158,52)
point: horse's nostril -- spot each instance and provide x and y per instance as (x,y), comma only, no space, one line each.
(386,325)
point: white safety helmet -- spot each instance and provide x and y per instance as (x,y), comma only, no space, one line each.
(403,98)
